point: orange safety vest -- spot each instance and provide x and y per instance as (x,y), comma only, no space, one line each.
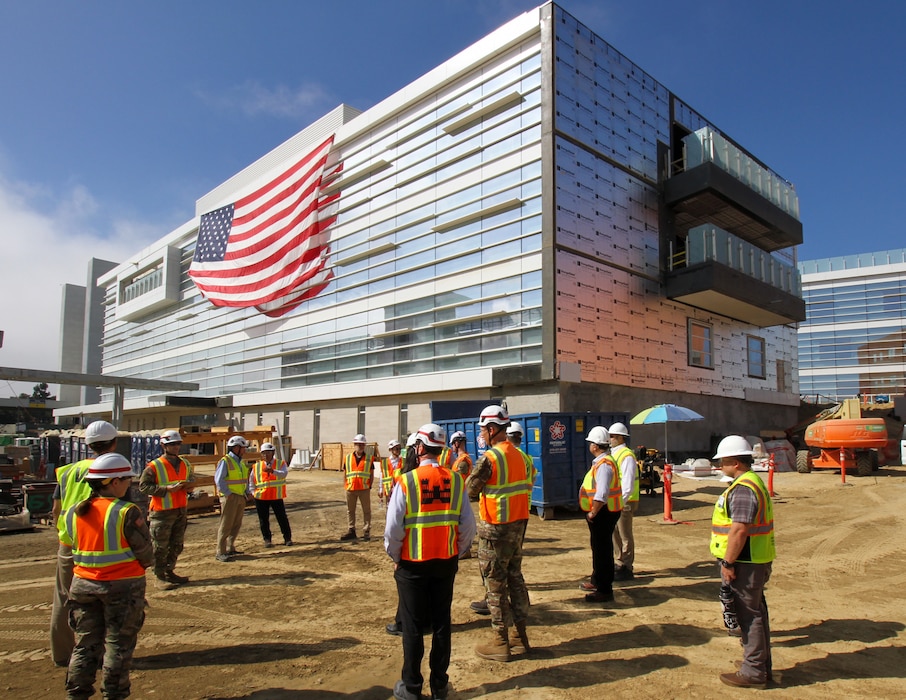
(100,551)
(268,486)
(463,465)
(505,497)
(167,474)
(358,472)
(590,486)
(434,501)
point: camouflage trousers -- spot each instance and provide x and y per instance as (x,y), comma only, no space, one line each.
(168,533)
(500,563)
(106,618)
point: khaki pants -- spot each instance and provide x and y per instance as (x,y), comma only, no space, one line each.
(232,507)
(364,497)
(623,540)
(62,638)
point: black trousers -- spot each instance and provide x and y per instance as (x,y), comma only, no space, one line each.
(600,530)
(263,507)
(425,595)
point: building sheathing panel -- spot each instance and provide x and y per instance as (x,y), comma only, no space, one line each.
(499,227)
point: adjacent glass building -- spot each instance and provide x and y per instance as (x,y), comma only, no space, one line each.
(853,342)
(537,220)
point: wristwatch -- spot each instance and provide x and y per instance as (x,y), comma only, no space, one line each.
(727,564)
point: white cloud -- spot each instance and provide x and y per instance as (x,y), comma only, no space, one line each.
(253,99)
(48,239)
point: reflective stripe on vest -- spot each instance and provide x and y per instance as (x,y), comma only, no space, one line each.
(73,488)
(358,472)
(505,497)
(434,501)
(237,478)
(268,486)
(100,551)
(590,486)
(166,475)
(761,531)
(446,458)
(619,453)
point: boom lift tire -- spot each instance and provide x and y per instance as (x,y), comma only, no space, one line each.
(802,465)
(863,463)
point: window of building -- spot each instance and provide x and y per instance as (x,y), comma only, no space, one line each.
(755,356)
(360,424)
(404,419)
(701,348)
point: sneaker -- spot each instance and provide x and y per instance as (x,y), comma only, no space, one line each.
(401,692)
(268,544)
(173,577)
(588,587)
(288,543)
(395,628)
(481,607)
(234,552)
(738,681)
(223,557)
(598,597)
(349,536)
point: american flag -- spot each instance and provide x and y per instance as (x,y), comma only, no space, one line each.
(270,248)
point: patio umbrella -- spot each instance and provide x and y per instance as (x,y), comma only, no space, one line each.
(665,413)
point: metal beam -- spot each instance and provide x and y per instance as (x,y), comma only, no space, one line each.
(51,377)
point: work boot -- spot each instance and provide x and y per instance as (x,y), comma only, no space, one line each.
(173,577)
(480,606)
(350,535)
(498,649)
(519,643)
(162,583)
(623,573)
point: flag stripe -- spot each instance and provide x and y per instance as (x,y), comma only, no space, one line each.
(270,250)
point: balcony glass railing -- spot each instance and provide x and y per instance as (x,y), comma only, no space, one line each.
(708,146)
(710,243)
(143,285)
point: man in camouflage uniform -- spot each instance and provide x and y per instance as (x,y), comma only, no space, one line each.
(166,480)
(502,482)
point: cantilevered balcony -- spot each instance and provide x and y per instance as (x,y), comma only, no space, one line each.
(720,184)
(721,273)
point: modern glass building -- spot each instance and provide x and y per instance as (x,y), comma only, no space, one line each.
(853,341)
(537,220)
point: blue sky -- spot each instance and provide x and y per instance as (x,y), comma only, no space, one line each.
(117,116)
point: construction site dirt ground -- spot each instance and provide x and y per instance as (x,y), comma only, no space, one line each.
(308,621)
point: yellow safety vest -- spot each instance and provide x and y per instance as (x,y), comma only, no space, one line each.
(358,472)
(590,486)
(760,544)
(237,475)
(619,453)
(73,489)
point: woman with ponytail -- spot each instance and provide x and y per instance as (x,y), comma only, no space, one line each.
(111,548)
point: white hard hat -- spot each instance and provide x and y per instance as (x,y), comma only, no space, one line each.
(170,437)
(458,435)
(733,446)
(410,441)
(392,444)
(100,431)
(108,466)
(494,414)
(268,446)
(237,440)
(515,427)
(432,435)
(359,439)
(598,435)
(618,429)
